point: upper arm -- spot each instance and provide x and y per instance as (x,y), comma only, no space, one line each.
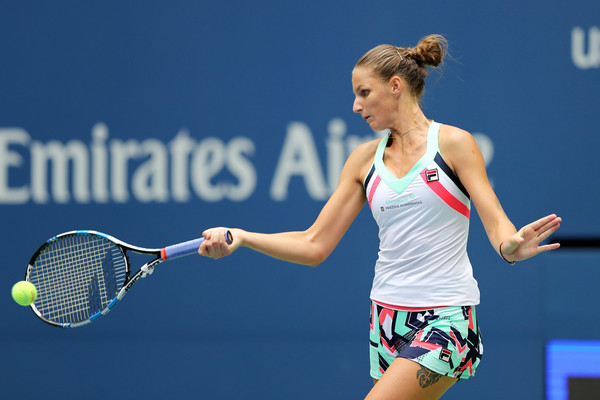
(462,153)
(344,204)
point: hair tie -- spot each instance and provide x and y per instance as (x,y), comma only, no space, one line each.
(501,255)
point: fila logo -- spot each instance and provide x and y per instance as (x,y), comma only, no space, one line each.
(445,355)
(432,175)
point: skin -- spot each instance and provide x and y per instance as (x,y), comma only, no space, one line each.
(391,105)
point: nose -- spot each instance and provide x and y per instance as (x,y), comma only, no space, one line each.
(357,107)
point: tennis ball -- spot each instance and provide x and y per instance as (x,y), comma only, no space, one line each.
(24,293)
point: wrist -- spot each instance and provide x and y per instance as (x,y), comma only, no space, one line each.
(502,255)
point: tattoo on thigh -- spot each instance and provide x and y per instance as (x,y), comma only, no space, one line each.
(427,377)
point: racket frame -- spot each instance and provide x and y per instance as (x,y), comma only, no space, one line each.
(161,254)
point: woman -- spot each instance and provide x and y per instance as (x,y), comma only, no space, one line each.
(418,181)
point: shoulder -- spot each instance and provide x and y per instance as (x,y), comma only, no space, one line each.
(366,150)
(450,136)
(360,160)
(456,144)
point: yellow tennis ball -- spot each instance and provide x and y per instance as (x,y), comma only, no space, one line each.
(24,293)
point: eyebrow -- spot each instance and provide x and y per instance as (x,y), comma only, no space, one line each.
(358,88)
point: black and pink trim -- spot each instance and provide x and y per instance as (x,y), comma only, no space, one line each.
(442,192)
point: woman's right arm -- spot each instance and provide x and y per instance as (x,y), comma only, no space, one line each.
(313,245)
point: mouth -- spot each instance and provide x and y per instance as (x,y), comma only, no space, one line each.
(366,117)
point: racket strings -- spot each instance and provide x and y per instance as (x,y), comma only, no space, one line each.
(77,276)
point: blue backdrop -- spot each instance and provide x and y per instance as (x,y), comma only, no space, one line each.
(152,122)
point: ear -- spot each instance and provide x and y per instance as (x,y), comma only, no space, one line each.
(397,85)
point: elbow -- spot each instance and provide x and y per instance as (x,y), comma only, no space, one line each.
(316,251)
(317,259)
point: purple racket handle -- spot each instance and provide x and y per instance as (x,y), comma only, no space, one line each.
(187,248)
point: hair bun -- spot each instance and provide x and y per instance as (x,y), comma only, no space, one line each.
(429,51)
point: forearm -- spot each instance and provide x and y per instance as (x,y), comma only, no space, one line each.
(495,221)
(297,247)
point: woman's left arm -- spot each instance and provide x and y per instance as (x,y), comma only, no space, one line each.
(462,154)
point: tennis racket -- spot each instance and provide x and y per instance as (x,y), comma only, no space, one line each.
(81,275)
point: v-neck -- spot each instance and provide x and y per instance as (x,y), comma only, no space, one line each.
(400,184)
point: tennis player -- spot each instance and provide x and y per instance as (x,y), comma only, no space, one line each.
(419,182)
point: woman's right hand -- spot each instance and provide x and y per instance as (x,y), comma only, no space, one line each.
(215,244)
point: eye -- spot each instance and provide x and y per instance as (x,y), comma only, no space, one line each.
(364,92)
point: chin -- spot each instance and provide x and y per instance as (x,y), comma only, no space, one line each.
(376,127)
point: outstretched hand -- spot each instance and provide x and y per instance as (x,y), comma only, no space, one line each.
(214,244)
(526,242)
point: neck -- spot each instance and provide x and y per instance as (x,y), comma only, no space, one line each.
(410,117)
(410,126)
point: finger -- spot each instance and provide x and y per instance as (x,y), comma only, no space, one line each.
(209,247)
(219,247)
(548,247)
(543,221)
(527,232)
(549,224)
(202,249)
(547,232)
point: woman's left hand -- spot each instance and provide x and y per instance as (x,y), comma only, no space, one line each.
(526,242)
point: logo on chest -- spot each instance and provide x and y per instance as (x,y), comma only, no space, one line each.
(432,175)
(400,202)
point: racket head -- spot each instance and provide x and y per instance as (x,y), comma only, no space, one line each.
(78,276)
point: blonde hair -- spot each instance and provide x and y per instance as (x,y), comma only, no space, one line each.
(408,63)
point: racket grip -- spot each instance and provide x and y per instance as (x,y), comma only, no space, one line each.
(181,249)
(187,248)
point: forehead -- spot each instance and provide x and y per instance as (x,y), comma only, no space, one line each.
(363,76)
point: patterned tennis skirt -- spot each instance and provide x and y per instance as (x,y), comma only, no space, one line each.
(445,340)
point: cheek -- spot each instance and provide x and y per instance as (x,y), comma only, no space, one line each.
(373,105)
(384,115)
(386,109)
(379,103)
(379,109)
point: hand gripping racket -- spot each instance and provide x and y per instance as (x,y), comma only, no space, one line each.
(81,275)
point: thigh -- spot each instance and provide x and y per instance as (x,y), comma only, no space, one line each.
(407,380)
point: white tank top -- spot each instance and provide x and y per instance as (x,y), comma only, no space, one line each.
(423,221)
